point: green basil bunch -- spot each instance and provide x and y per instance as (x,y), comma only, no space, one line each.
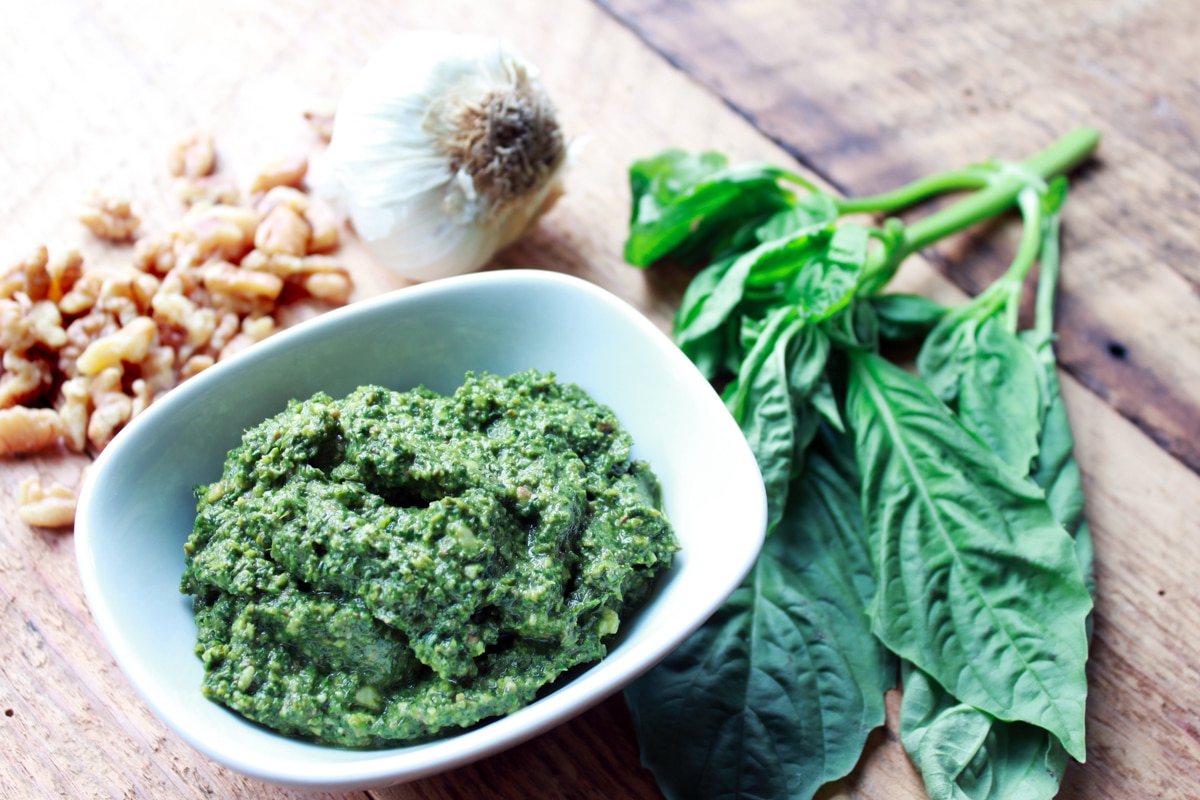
(924,528)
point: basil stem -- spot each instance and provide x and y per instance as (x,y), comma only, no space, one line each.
(998,194)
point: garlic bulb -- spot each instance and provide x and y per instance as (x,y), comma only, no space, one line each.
(445,149)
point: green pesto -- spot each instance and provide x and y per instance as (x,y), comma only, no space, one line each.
(392,567)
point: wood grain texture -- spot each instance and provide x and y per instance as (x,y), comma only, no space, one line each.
(874,93)
(95,93)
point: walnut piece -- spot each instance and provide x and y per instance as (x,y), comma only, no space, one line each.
(82,296)
(194,157)
(195,365)
(111,407)
(25,324)
(254,330)
(27,430)
(285,172)
(65,269)
(24,379)
(209,189)
(73,410)
(129,344)
(109,218)
(326,235)
(216,231)
(283,232)
(29,277)
(288,196)
(52,507)
(332,286)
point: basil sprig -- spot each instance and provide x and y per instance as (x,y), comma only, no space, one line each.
(925,528)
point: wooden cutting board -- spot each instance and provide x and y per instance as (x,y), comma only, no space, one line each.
(863,96)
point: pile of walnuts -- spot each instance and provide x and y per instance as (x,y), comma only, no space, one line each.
(85,350)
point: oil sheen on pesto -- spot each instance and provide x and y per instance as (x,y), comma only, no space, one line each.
(394,566)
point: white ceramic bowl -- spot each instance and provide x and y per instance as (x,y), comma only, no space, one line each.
(137,508)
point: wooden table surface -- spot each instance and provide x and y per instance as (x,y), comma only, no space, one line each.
(862,95)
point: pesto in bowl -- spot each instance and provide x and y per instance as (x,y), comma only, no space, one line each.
(393,566)
(138,505)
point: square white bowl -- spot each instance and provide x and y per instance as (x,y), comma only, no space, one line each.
(137,508)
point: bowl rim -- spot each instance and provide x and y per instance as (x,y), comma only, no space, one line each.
(406,762)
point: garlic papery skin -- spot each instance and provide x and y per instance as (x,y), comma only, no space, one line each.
(445,148)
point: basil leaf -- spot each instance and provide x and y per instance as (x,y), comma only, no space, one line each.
(689,206)
(905,317)
(966,754)
(775,262)
(769,399)
(1056,469)
(655,182)
(750,330)
(827,285)
(855,327)
(709,318)
(812,212)
(995,392)
(950,346)
(963,752)
(979,586)
(979,368)
(825,403)
(706,342)
(775,695)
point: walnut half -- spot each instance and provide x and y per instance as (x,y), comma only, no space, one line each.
(45,507)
